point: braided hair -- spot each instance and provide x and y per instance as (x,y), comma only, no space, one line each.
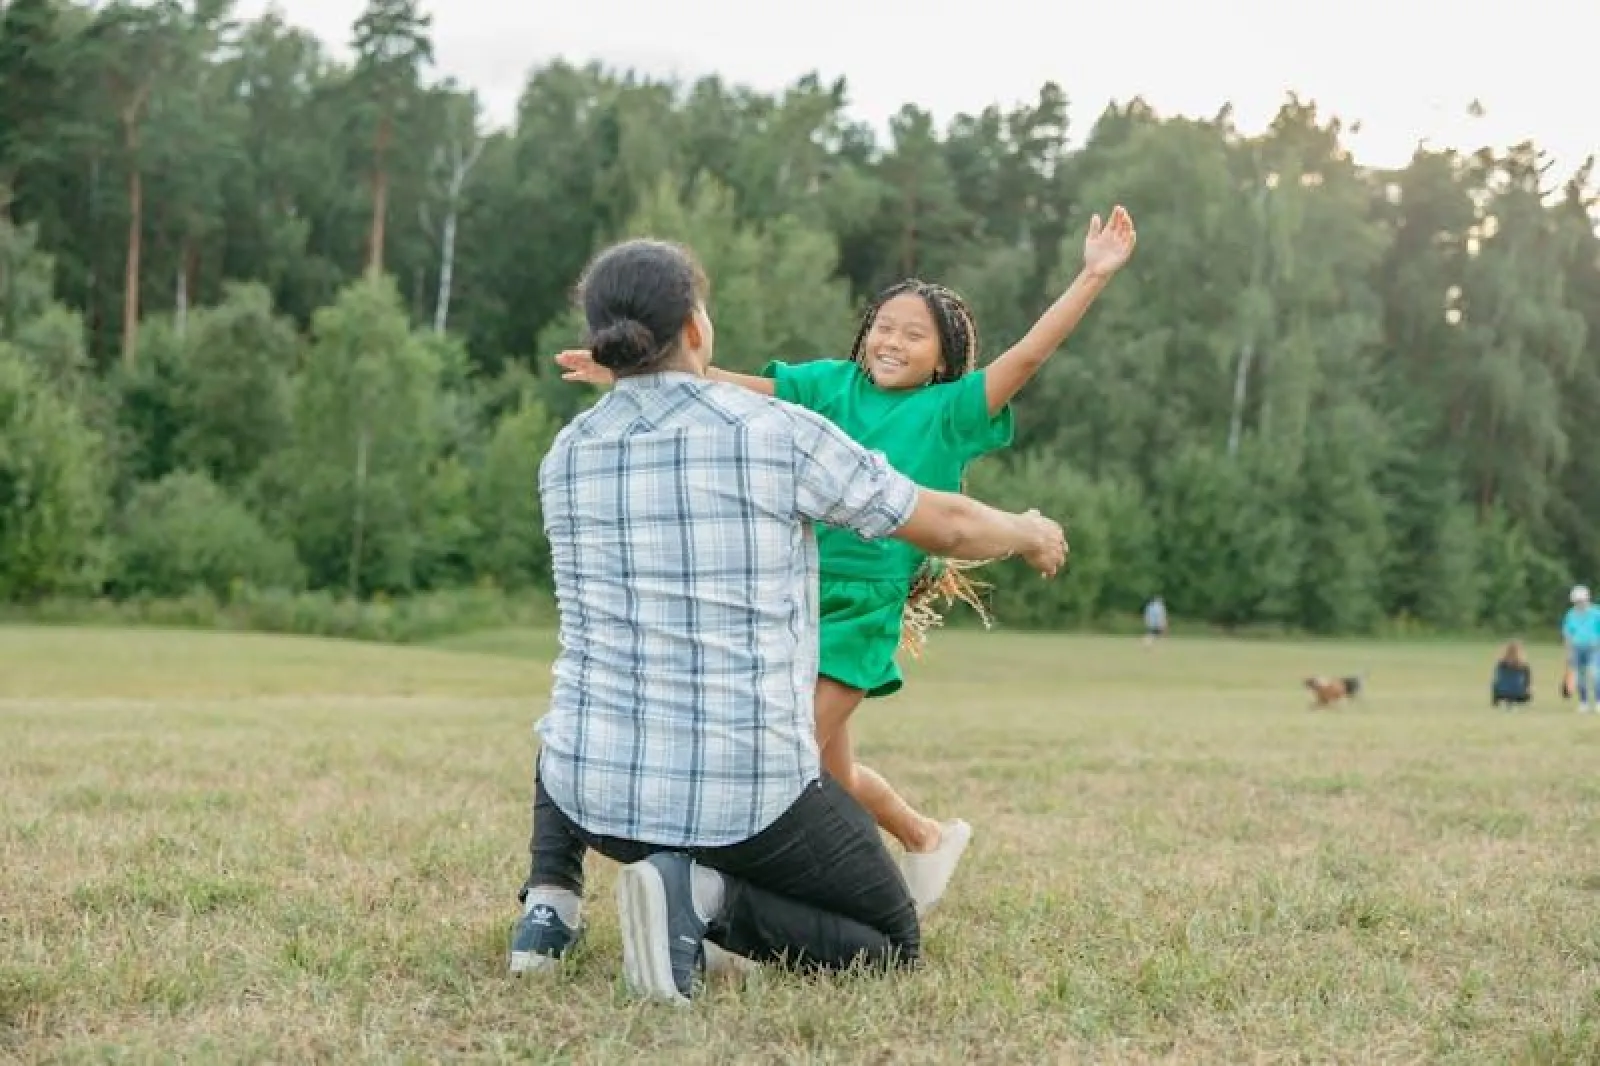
(938,583)
(958,330)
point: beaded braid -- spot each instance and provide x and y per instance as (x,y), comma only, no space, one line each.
(936,579)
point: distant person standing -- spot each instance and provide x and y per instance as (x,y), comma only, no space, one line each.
(1155,621)
(1580,633)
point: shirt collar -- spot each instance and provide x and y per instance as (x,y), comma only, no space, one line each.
(657,380)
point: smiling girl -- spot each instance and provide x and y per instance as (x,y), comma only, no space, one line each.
(911,390)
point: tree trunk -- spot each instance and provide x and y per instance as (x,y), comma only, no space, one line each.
(380,198)
(180,312)
(361,513)
(1247,351)
(130,282)
(1486,486)
(8,325)
(1241,380)
(447,263)
(91,284)
(447,250)
(908,250)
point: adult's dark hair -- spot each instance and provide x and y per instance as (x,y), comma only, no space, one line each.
(636,297)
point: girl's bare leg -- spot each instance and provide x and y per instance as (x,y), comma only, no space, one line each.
(932,850)
(835,704)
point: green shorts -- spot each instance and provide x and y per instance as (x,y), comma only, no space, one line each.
(861,633)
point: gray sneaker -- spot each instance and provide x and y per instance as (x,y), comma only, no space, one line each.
(663,936)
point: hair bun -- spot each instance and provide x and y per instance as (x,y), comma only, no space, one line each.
(622,345)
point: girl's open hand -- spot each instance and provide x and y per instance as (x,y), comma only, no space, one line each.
(1109,246)
(580,366)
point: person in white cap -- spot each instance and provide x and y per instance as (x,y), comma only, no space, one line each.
(1580,632)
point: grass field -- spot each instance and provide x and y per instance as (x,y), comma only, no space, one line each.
(223,848)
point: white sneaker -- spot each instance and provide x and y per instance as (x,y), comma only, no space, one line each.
(928,873)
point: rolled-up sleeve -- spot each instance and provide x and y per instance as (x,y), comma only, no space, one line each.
(840,483)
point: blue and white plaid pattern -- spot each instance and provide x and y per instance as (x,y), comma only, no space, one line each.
(680,513)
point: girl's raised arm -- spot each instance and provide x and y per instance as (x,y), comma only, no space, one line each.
(1105,250)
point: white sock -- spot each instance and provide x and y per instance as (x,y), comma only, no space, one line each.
(707,888)
(566,903)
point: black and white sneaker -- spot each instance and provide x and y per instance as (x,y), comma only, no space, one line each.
(541,940)
(663,949)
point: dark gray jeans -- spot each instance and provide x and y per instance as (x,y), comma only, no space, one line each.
(815,890)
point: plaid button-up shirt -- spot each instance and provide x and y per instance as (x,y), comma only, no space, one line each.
(680,514)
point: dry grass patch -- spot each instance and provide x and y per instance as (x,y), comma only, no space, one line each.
(223,848)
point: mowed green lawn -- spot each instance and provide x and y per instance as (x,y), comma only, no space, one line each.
(223,848)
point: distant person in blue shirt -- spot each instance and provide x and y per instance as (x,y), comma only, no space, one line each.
(1580,632)
(1155,621)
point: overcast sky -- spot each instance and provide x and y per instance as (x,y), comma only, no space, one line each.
(1405,69)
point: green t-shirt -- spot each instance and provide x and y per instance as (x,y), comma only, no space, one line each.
(928,434)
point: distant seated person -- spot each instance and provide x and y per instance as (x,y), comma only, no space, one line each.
(1513,678)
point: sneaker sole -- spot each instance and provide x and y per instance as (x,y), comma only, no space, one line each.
(646,957)
(533,963)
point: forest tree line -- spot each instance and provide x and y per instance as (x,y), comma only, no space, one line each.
(270,320)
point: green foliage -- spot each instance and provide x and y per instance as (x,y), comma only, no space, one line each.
(316,613)
(1321,397)
(1343,530)
(367,426)
(1516,575)
(234,391)
(1453,574)
(392,45)
(33,81)
(1113,564)
(1020,599)
(773,292)
(24,273)
(53,342)
(1226,540)
(183,533)
(511,547)
(52,501)
(149,404)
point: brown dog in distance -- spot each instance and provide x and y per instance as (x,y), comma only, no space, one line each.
(1328,691)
